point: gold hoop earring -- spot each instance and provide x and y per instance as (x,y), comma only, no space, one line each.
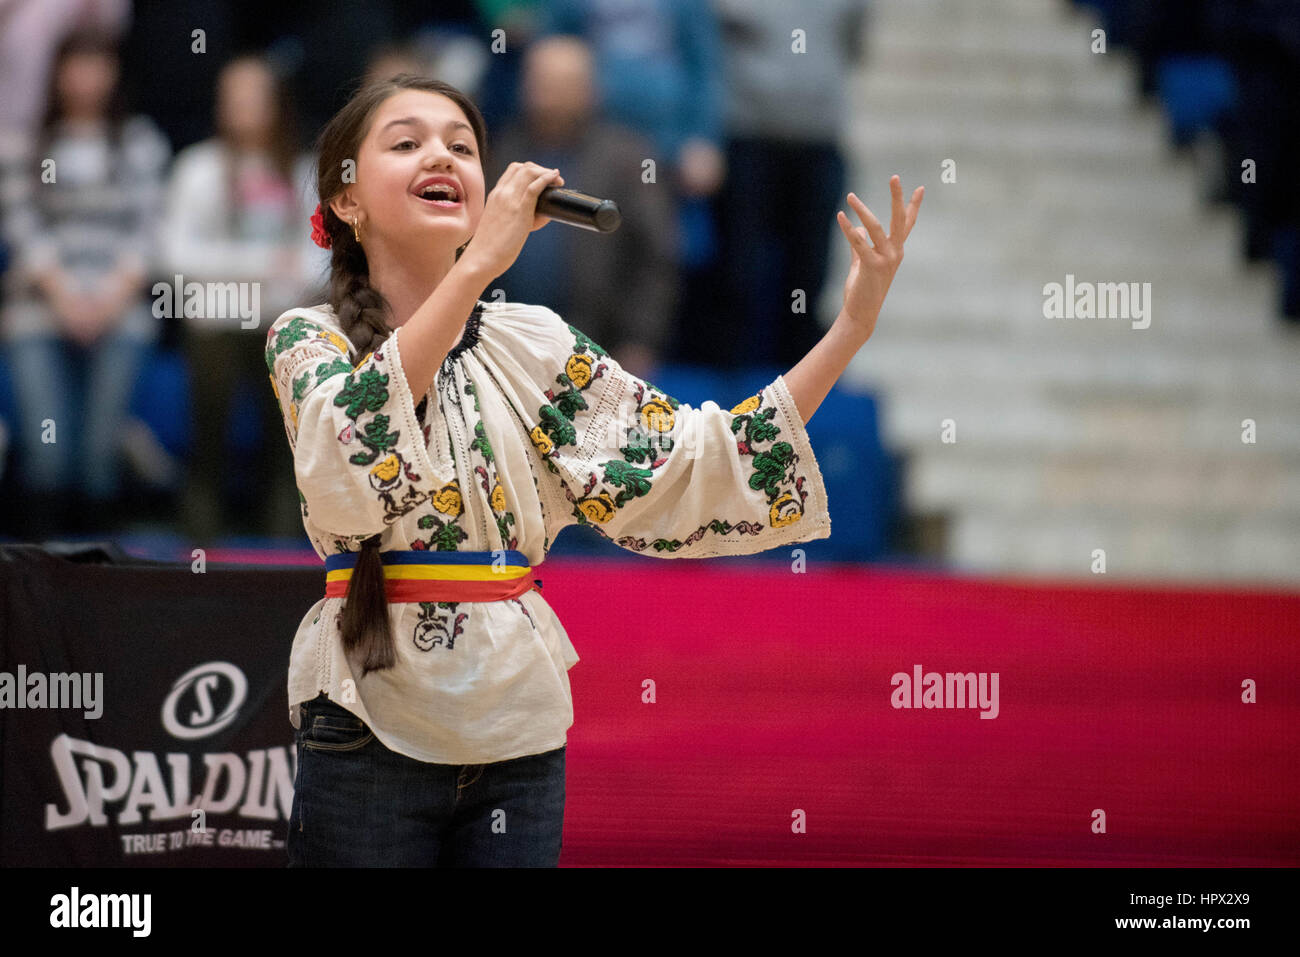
(356,231)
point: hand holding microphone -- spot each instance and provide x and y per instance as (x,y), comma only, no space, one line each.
(526,198)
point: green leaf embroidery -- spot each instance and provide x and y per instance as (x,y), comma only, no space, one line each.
(377,436)
(555,425)
(770,467)
(634,481)
(300,386)
(367,394)
(481,442)
(332,368)
(760,428)
(569,403)
(295,330)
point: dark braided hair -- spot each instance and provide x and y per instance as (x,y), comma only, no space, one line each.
(363,313)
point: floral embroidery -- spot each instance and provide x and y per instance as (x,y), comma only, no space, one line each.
(557,426)
(486,472)
(293,331)
(336,340)
(332,368)
(717,526)
(438,623)
(368,393)
(578,369)
(447,499)
(447,535)
(657,415)
(542,441)
(364,390)
(647,448)
(480,443)
(598,508)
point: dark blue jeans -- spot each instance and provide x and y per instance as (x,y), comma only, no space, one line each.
(358,804)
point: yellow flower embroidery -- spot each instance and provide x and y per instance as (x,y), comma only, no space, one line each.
(786,510)
(334,339)
(598,508)
(499,498)
(293,413)
(447,499)
(385,472)
(578,369)
(274,388)
(657,416)
(363,360)
(749,405)
(541,440)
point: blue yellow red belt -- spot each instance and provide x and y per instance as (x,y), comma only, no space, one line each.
(416,575)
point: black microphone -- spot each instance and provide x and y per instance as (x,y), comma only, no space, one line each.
(579,209)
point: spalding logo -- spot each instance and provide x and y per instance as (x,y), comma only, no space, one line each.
(221,677)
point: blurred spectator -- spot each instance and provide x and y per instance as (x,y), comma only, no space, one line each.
(619,288)
(659,72)
(237,212)
(77,323)
(30,33)
(785,112)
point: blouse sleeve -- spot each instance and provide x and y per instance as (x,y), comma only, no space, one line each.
(359,453)
(660,477)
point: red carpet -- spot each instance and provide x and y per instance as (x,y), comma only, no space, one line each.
(773,694)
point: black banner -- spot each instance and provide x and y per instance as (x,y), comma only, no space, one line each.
(143,712)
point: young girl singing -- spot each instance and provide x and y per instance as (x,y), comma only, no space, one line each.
(441,441)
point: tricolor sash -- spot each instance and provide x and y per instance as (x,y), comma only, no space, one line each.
(420,575)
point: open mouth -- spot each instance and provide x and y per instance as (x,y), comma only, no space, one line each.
(440,194)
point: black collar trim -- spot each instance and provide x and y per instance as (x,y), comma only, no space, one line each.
(469,337)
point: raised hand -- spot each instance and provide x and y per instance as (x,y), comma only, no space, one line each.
(876,257)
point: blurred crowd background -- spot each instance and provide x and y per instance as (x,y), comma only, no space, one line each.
(182,135)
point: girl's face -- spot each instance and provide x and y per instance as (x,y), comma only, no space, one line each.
(414,136)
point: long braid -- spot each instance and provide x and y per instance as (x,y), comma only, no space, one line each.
(361,311)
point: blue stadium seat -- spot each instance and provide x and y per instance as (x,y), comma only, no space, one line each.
(859,477)
(1286,252)
(693,384)
(162,399)
(1195,91)
(8,407)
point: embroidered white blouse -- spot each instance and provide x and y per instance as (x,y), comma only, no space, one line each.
(529,427)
